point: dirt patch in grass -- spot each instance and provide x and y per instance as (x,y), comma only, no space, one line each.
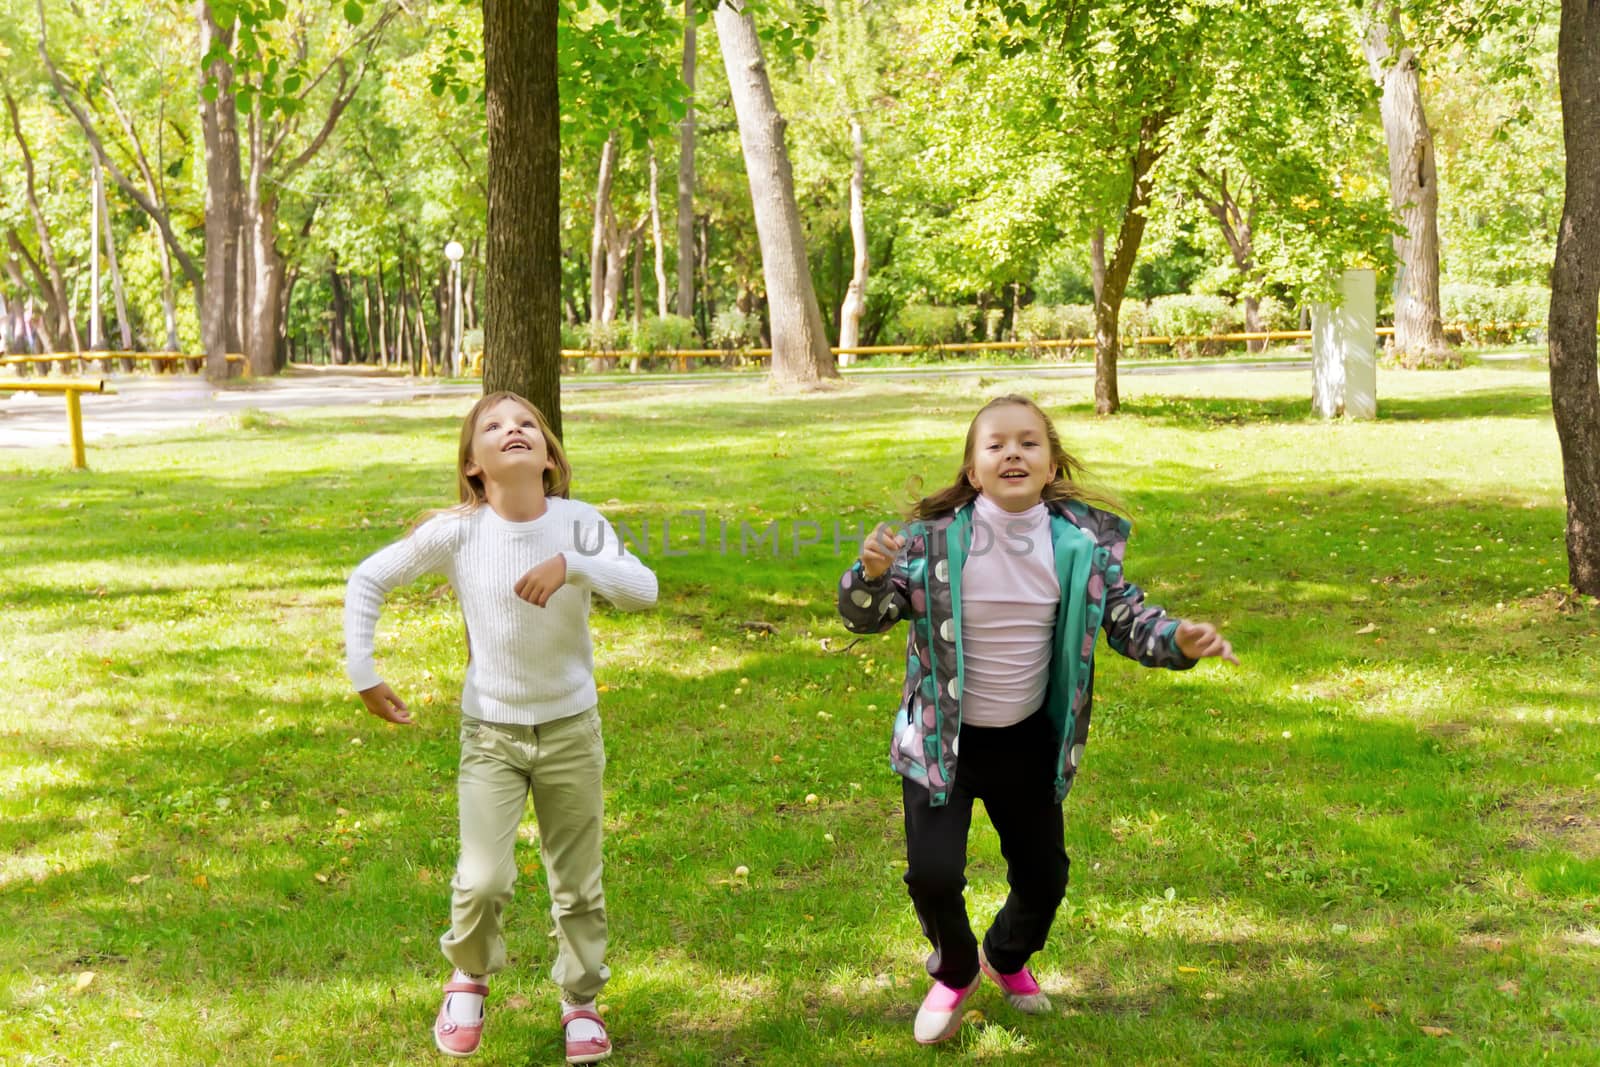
(1563,820)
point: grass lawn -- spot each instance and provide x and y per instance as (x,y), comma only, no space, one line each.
(1376,841)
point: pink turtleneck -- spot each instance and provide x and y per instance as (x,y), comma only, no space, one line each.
(1009,596)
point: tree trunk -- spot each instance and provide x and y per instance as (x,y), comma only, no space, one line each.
(655,238)
(855,297)
(219,124)
(600,279)
(52,287)
(522,298)
(119,298)
(1238,231)
(263,326)
(686,172)
(1575,292)
(383,320)
(1111,279)
(799,342)
(1413,189)
(339,327)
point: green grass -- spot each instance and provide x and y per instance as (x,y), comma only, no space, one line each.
(1380,828)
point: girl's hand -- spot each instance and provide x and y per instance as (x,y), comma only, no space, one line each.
(539,584)
(386,704)
(879,550)
(1200,640)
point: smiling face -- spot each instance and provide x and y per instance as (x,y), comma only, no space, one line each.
(508,445)
(1009,458)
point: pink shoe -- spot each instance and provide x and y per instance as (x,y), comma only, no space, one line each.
(940,1015)
(591,1050)
(1022,992)
(458,1039)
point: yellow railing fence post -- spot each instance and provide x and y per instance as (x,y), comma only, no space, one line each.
(75,429)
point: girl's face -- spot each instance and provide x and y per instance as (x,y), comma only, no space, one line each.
(508,446)
(1010,462)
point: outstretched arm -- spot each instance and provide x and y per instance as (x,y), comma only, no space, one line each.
(424,551)
(610,570)
(1201,640)
(874,594)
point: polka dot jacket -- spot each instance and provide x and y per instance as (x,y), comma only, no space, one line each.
(924,587)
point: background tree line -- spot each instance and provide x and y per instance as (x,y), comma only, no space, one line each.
(951,169)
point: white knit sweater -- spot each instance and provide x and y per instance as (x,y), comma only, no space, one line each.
(527,665)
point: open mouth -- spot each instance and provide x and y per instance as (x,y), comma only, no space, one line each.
(516,446)
(1012,476)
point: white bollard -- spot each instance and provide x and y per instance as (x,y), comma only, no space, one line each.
(1344,340)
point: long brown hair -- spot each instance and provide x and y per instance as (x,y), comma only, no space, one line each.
(1066,483)
(557,480)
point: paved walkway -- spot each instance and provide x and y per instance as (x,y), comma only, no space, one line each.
(150,405)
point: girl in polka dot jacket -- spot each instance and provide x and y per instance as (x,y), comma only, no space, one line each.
(1006,576)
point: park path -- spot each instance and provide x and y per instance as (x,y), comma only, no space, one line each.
(151,405)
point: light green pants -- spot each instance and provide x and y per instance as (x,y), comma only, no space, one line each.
(560,764)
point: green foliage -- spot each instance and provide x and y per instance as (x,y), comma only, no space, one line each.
(1193,316)
(1046,322)
(924,325)
(1495,314)
(734,329)
(662,334)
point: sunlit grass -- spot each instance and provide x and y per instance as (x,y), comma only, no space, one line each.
(1376,841)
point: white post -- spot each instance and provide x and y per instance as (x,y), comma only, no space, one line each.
(453,252)
(1344,368)
(94,256)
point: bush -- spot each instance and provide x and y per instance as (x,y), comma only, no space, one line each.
(1049,322)
(663,334)
(574,335)
(1275,314)
(1485,313)
(926,325)
(733,329)
(1194,316)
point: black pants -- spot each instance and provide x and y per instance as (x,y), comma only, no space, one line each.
(1012,770)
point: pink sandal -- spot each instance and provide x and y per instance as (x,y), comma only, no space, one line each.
(458,1039)
(590,1050)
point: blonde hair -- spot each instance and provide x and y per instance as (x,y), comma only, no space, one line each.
(1065,484)
(557,479)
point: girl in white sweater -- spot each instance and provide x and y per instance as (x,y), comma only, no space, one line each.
(523,560)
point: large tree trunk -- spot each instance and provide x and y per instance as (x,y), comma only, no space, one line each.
(264,266)
(686,172)
(1111,279)
(800,351)
(855,297)
(600,274)
(219,123)
(1413,189)
(522,298)
(1575,292)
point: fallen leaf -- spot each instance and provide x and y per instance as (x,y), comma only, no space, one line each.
(201,881)
(138,879)
(1377,1009)
(1509,987)
(1188,970)
(319,876)
(1368,628)
(81,983)
(1435,1031)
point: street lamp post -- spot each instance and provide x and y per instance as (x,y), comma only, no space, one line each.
(453,252)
